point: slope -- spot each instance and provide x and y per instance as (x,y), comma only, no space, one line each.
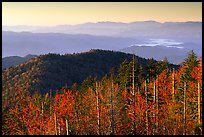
(52,71)
(15,60)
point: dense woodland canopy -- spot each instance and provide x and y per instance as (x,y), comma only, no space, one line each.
(126,101)
(52,71)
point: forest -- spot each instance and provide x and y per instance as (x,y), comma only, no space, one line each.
(52,71)
(163,101)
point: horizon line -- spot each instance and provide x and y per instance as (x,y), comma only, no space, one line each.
(104,22)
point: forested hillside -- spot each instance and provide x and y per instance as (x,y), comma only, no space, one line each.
(52,71)
(124,101)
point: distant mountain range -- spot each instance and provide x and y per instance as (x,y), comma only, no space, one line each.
(23,43)
(150,29)
(52,71)
(12,61)
(144,38)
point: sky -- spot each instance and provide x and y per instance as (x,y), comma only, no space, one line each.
(71,13)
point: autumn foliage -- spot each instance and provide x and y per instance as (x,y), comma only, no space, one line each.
(161,105)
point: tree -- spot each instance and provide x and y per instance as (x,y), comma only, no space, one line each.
(124,73)
(162,65)
(190,62)
(151,69)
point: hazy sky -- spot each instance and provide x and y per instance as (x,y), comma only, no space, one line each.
(59,13)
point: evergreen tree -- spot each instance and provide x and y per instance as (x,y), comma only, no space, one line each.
(162,65)
(189,63)
(89,82)
(124,73)
(151,69)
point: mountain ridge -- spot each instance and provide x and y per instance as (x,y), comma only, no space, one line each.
(117,29)
(52,71)
(152,21)
(15,60)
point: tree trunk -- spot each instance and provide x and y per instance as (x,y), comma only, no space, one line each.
(60,127)
(199,119)
(133,92)
(55,117)
(157,107)
(112,111)
(173,100)
(67,126)
(98,112)
(184,110)
(173,86)
(154,88)
(146,112)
